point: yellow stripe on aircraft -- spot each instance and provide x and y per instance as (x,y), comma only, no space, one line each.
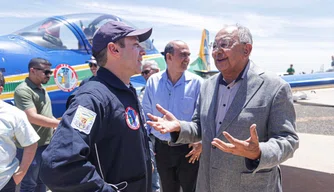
(22,76)
(50,88)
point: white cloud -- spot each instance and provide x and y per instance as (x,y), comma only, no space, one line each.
(23,15)
(160,15)
(265,4)
(279,38)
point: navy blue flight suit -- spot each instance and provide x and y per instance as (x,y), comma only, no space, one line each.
(115,150)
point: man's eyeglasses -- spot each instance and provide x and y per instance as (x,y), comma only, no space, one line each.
(145,72)
(45,71)
(226,43)
(92,64)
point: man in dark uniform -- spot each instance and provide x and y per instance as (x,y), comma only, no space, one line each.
(101,143)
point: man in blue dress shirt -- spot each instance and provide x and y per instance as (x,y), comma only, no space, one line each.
(176,90)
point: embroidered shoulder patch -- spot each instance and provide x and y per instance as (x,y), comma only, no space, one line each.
(83,119)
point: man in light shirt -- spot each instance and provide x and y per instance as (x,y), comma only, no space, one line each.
(177,90)
(14,127)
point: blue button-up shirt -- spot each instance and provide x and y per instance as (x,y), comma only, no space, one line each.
(180,99)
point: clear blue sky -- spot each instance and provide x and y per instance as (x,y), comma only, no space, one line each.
(299,32)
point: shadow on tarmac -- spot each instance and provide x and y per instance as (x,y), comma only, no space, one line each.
(297,179)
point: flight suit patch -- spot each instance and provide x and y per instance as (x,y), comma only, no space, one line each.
(132,118)
(83,119)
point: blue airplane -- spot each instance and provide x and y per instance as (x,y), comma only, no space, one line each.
(312,81)
(65,42)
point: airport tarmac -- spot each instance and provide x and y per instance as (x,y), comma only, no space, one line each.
(312,167)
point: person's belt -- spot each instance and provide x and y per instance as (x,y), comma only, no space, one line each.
(162,141)
(167,142)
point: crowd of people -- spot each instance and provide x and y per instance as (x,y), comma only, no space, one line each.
(226,133)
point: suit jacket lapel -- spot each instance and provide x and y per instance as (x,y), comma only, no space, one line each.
(212,111)
(249,86)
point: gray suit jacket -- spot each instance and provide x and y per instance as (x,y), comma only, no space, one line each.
(264,99)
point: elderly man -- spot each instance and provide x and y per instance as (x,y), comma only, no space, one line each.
(245,118)
(149,68)
(101,142)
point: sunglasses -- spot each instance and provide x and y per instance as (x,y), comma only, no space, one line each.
(146,72)
(92,64)
(46,72)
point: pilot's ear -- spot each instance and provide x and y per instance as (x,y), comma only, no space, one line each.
(1,88)
(112,48)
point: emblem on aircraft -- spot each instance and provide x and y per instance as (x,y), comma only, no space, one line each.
(65,77)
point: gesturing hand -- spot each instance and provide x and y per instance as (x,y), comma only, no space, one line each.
(248,148)
(195,153)
(168,123)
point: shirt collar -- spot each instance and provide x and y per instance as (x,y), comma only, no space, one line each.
(110,78)
(31,84)
(240,76)
(185,77)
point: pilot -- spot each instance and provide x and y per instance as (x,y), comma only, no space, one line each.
(96,146)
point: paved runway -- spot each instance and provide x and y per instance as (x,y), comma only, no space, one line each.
(312,167)
(315,115)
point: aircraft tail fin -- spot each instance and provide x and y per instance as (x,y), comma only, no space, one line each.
(202,63)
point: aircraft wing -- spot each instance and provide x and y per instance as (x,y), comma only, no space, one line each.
(310,81)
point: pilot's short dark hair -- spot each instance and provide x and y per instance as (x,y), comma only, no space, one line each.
(2,80)
(101,56)
(34,62)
